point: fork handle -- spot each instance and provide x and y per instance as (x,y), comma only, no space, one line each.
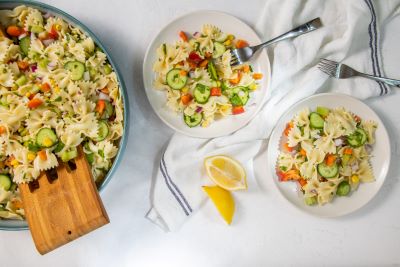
(302,29)
(391,82)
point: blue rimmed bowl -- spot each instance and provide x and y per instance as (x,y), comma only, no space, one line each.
(15,225)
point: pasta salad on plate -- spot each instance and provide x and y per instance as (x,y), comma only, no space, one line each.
(199,82)
(57,92)
(327,152)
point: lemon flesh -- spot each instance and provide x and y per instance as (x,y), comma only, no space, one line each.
(222,200)
(226,172)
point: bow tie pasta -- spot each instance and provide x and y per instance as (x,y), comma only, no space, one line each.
(57,92)
(327,152)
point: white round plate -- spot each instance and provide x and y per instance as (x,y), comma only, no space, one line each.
(191,23)
(380,157)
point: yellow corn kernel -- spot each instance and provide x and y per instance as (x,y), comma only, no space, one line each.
(231,37)
(228,42)
(218,84)
(58,27)
(47,142)
(31,156)
(14,162)
(355,179)
(57,89)
(28,94)
(253,86)
(185,90)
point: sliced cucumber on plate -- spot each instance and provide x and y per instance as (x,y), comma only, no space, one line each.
(175,79)
(194,120)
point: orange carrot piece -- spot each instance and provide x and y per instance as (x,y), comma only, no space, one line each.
(183,36)
(186,98)
(105,90)
(34,103)
(14,31)
(22,65)
(291,175)
(203,64)
(302,182)
(237,110)
(348,151)
(2,130)
(45,87)
(42,155)
(246,68)
(287,147)
(237,79)
(215,91)
(257,76)
(100,106)
(183,73)
(303,152)
(330,159)
(241,43)
(289,126)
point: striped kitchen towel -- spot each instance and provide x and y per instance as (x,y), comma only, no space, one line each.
(351,34)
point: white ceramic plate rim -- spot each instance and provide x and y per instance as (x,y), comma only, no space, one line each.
(149,76)
(380,177)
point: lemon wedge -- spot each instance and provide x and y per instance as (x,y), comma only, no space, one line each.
(222,200)
(226,172)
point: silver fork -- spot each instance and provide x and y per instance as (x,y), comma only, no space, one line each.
(241,55)
(342,71)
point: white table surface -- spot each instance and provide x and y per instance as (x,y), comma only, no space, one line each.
(266,230)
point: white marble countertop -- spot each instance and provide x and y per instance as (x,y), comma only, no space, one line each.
(266,230)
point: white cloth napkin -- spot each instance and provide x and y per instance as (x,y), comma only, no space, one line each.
(350,34)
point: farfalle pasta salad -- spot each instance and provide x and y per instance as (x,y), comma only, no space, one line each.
(196,74)
(327,153)
(57,91)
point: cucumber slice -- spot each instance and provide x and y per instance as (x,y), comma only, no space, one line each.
(358,138)
(316,121)
(37,29)
(243,93)
(212,71)
(235,100)
(219,50)
(194,120)
(109,110)
(323,111)
(68,155)
(103,131)
(175,80)
(310,201)
(76,68)
(46,138)
(201,93)
(5,182)
(327,171)
(90,158)
(343,189)
(222,37)
(21,80)
(59,147)
(25,45)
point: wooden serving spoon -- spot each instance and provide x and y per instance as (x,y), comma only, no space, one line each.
(62,204)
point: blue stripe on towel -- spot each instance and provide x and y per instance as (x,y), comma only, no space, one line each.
(172,191)
(373,44)
(174,185)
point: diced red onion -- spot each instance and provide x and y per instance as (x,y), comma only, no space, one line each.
(338,142)
(51,65)
(103,96)
(33,68)
(47,42)
(199,109)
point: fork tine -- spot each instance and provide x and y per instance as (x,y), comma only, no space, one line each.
(330,73)
(328,61)
(327,66)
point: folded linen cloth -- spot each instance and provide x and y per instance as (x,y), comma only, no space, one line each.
(350,34)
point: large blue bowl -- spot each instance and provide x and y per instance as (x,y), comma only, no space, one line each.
(15,225)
